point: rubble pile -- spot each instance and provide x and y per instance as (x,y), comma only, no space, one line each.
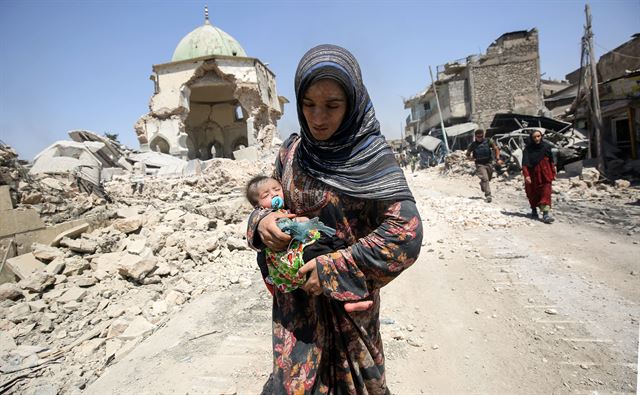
(88,298)
(57,198)
(462,213)
(10,169)
(458,163)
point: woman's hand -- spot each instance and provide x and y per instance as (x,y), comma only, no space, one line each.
(312,286)
(271,235)
(527,180)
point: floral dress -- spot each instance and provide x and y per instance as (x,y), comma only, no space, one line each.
(318,348)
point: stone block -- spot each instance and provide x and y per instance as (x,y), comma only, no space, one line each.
(128,225)
(19,221)
(46,235)
(24,265)
(84,246)
(5,198)
(249,153)
(70,233)
(74,294)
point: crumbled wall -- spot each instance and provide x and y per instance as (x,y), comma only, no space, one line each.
(173,119)
(507,78)
(508,87)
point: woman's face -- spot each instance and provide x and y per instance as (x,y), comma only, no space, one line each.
(324,105)
(536,137)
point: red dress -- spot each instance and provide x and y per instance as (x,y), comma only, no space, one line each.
(542,174)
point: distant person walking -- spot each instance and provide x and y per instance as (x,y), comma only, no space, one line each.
(481,152)
(539,172)
(412,162)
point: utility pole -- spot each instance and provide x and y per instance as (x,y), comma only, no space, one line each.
(444,132)
(596,116)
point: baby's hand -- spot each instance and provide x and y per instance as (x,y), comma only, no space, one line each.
(301,219)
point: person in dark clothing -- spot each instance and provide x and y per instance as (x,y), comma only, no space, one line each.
(539,171)
(341,170)
(480,150)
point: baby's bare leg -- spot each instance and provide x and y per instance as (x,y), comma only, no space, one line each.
(358,306)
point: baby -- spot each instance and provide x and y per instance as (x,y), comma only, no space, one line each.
(280,269)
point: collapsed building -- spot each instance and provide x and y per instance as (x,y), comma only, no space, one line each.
(619,87)
(503,80)
(210,100)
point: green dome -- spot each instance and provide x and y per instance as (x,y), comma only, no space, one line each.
(207,40)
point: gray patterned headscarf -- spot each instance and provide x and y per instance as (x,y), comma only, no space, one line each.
(356,160)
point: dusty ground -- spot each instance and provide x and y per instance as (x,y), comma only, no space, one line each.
(497,303)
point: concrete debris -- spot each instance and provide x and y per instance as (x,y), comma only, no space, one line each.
(24,265)
(121,266)
(10,291)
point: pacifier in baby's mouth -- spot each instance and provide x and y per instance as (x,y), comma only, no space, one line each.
(277,203)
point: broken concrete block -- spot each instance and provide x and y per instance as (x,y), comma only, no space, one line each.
(137,269)
(37,305)
(117,328)
(590,175)
(128,225)
(70,233)
(19,221)
(85,282)
(621,184)
(10,291)
(192,168)
(89,347)
(43,389)
(23,265)
(175,298)
(45,253)
(235,243)
(138,327)
(174,215)
(195,221)
(38,281)
(56,266)
(7,344)
(249,153)
(18,312)
(211,244)
(136,246)
(53,295)
(110,261)
(32,198)
(125,212)
(5,198)
(84,246)
(75,266)
(74,294)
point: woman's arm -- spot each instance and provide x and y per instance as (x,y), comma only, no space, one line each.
(376,259)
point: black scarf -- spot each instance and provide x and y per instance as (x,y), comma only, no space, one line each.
(534,153)
(356,160)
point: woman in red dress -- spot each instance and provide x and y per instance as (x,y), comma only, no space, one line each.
(539,171)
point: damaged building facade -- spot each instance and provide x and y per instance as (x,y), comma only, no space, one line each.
(211,100)
(506,79)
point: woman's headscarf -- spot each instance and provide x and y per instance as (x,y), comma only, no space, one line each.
(534,153)
(356,160)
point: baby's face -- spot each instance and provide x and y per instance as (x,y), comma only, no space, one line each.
(267,191)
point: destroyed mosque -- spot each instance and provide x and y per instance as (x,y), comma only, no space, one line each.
(210,100)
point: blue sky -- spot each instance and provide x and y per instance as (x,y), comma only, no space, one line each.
(85,64)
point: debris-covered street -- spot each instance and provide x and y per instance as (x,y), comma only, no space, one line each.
(175,219)
(496,303)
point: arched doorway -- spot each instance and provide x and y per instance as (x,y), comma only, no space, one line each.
(159,144)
